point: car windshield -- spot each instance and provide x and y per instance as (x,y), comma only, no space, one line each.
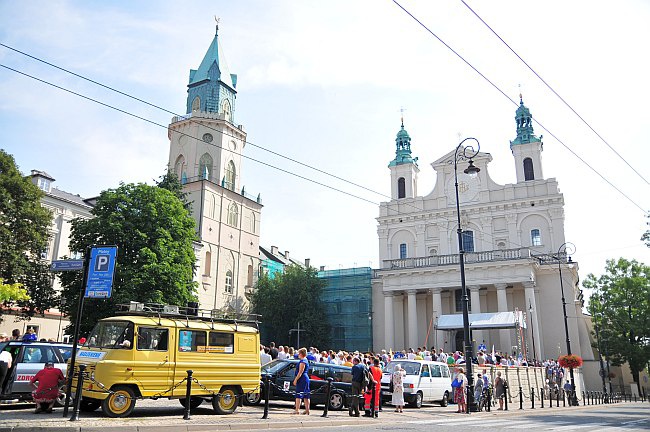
(274,366)
(111,334)
(411,368)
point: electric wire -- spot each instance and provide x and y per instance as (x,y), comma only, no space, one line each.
(556,93)
(516,104)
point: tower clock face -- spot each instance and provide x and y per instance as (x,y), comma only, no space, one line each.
(207,137)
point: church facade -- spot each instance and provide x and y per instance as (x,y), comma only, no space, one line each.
(205,153)
(511,235)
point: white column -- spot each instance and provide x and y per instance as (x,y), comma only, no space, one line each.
(475,298)
(502,303)
(529,293)
(389,322)
(438,337)
(412,319)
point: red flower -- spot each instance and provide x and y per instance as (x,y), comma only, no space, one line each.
(570,361)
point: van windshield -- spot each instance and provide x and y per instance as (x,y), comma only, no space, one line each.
(411,368)
(111,334)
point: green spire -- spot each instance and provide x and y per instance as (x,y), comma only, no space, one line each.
(524,119)
(403,148)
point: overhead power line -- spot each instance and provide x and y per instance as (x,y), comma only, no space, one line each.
(556,94)
(516,104)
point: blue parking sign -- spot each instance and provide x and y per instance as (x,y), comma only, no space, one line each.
(101,269)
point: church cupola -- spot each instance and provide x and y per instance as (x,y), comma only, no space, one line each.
(526,148)
(212,88)
(404,168)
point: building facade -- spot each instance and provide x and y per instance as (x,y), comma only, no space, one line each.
(511,235)
(205,152)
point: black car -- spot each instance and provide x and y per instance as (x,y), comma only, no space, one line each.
(283,372)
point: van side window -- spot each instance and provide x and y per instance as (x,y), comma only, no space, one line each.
(152,338)
(425,371)
(191,341)
(435,371)
(445,371)
(222,342)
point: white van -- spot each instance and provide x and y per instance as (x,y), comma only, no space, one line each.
(425,381)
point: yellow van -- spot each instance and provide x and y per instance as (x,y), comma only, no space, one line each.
(146,352)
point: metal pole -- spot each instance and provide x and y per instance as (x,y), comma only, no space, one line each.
(471,404)
(267,394)
(328,395)
(188,396)
(566,323)
(77,396)
(521,398)
(532,332)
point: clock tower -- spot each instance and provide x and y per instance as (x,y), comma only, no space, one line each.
(404,168)
(526,148)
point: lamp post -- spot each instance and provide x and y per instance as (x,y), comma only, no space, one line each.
(468,153)
(532,331)
(600,360)
(567,249)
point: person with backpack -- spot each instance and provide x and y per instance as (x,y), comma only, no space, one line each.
(372,397)
(358,376)
(499,389)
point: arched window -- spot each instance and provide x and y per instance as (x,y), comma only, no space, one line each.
(179,167)
(249,276)
(231,175)
(212,206)
(228,286)
(433,252)
(208,264)
(401,188)
(529,172)
(253,222)
(468,241)
(402,251)
(225,109)
(535,237)
(233,215)
(196,104)
(205,167)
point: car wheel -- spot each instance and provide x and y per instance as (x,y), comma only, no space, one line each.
(195,402)
(119,403)
(226,402)
(89,405)
(336,401)
(416,402)
(445,400)
(253,399)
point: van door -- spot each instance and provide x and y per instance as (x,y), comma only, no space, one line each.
(425,382)
(438,383)
(153,362)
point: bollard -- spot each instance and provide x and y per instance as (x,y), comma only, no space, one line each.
(327,399)
(564,398)
(77,396)
(532,398)
(489,399)
(188,396)
(267,394)
(550,398)
(505,396)
(541,396)
(557,397)
(521,398)
(584,401)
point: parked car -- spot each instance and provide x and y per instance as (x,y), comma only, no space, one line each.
(425,381)
(29,357)
(283,372)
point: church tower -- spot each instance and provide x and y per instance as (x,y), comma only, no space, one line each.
(404,168)
(205,152)
(526,148)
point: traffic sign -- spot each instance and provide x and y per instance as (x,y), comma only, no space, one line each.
(67,265)
(101,269)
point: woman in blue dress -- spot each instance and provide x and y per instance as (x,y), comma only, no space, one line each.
(301,382)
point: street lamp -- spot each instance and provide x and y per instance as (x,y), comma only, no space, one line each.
(567,249)
(468,154)
(532,331)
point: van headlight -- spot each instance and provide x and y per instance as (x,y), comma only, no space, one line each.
(92,375)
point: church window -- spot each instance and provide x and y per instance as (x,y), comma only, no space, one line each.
(231,175)
(401,187)
(225,109)
(402,251)
(205,167)
(228,286)
(207,137)
(253,222)
(501,245)
(179,168)
(468,241)
(535,237)
(433,252)
(529,172)
(208,264)
(212,205)
(233,215)
(196,104)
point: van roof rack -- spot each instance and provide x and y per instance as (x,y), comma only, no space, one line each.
(187,313)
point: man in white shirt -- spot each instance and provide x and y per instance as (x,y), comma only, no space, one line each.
(442,357)
(264,356)
(411,354)
(282,354)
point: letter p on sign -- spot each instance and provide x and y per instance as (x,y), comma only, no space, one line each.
(101,263)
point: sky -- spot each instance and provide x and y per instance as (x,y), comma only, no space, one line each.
(324,83)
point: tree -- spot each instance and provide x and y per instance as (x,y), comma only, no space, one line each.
(171,182)
(10,293)
(646,235)
(620,307)
(24,225)
(291,298)
(155,261)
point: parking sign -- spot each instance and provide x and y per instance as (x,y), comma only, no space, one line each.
(100,272)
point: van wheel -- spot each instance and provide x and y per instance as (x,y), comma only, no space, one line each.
(416,402)
(89,405)
(120,403)
(226,402)
(445,400)
(195,402)
(336,401)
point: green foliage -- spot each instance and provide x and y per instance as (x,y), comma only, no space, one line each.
(10,293)
(155,259)
(171,182)
(646,235)
(620,307)
(24,224)
(289,299)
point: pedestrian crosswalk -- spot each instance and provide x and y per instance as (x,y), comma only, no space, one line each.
(511,423)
